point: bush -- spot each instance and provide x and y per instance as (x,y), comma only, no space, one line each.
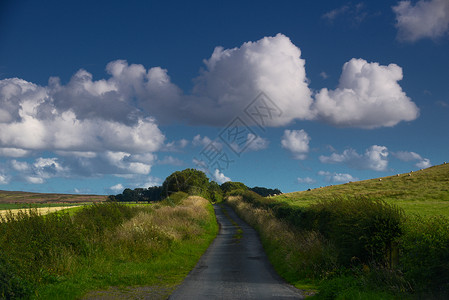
(11,285)
(231,186)
(99,217)
(425,253)
(363,230)
(31,241)
(175,199)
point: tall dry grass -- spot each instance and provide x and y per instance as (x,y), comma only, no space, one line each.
(154,232)
(62,256)
(296,254)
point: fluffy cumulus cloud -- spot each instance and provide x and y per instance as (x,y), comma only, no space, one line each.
(4,179)
(337,177)
(117,188)
(368,96)
(297,142)
(234,77)
(425,19)
(84,119)
(219,177)
(413,156)
(111,125)
(307,180)
(375,158)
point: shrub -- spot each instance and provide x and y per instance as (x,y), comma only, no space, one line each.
(231,186)
(99,217)
(425,253)
(363,230)
(11,285)
(175,199)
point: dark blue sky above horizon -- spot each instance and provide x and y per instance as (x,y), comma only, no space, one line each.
(382,124)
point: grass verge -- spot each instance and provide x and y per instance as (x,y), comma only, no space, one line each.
(62,256)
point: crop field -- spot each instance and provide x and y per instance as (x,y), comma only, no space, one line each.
(25,198)
(424,192)
(39,210)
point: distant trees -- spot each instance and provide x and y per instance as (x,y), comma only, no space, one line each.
(191,182)
(139,194)
(265,192)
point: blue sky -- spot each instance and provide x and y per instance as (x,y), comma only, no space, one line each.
(96,96)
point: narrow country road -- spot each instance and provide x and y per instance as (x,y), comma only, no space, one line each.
(234,267)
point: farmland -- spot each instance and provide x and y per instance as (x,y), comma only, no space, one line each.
(26,198)
(425,192)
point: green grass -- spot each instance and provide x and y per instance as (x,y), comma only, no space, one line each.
(424,192)
(64,255)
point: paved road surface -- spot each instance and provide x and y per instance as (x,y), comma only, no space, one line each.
(234,267)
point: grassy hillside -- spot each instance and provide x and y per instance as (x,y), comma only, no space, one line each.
(25,197)
(425,192)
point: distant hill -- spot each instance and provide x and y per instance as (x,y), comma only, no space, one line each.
(425,191)
(26,197)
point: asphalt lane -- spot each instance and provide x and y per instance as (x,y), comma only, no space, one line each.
(234,267)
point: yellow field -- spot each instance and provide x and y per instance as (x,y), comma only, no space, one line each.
(40,210)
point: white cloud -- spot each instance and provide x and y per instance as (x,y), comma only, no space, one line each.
(406,156)
(297,142)
(413,156)
(170,160)
(151,181)
(355,13)
(305,180)
(40,125)
(4,179)
(234,77)
(20,165)
(333,14)
(324,75)
(219,177)
(368,96)
(175,146)
(118,188)
(34,179)
(337,177)
(257,142)
(205,141)
(13,152)
(95,115)
(252,143)
(425,163)
(375,158)
(425,19)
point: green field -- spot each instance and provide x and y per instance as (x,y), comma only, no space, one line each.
(424,192)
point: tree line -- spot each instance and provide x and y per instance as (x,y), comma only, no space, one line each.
(190,181)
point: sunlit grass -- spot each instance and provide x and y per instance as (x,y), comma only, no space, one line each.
(424,192)
(99,246)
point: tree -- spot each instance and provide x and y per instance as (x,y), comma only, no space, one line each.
(153,193)
(190,181)
(130,196)
(215,192)
(264,192)
(230,186)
